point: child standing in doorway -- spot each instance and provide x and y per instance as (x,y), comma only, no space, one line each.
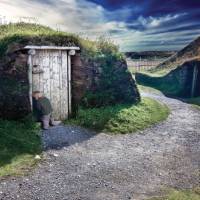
(42,109)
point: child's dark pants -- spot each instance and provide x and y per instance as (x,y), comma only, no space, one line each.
(46,120)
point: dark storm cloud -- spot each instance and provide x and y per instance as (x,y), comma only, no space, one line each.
(151,7)
(167,19)
(183,28)
(157,7)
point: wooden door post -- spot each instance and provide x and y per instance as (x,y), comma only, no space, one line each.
(70,53)
(30,76)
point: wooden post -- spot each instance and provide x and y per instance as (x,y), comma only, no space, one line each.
(30,78)
(194,80)
(70,53)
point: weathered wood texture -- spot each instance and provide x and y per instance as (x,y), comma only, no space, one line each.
(52,76)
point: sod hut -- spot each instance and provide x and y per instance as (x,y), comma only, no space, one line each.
(67,69)
(188,76)
(183,81)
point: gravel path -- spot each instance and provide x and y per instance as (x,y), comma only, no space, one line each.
(79,165)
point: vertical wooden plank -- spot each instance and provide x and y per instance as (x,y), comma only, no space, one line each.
(58,97)
(40,68)
(30,79)
(35,77)
(52,62)
(69,84)
(59,60)
(46,74)
(55,84)
(51,78)
(64,80)
(60,82)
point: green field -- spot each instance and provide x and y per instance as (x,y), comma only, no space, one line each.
(121,118)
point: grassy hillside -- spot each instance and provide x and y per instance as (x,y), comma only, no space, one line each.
(174,76)
(188,53)
(167,84)
(24,33)
(27,34)
(122,118)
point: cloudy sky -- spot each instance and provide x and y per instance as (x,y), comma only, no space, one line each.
(135,25)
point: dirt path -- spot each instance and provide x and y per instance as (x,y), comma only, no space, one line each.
(105,167)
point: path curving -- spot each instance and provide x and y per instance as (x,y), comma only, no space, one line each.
(79,165)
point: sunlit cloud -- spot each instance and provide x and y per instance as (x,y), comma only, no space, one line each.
(157,21)
(88,19)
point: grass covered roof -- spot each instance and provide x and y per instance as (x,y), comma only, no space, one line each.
(33,34)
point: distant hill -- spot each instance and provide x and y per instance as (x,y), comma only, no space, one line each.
(150,54)
(190,52)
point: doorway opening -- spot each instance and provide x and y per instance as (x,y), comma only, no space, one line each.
(50,73)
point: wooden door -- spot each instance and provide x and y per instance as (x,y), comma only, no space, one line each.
(51,74)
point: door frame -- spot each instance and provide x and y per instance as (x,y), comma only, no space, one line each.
(71,51)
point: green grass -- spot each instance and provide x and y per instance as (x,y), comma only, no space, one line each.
(35,34)
(151,72)
(121,118)
(166,84)
(160,72)
(147,89)
(24,33)
(158,81)
(180,195)
(19,143)
(194,101)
